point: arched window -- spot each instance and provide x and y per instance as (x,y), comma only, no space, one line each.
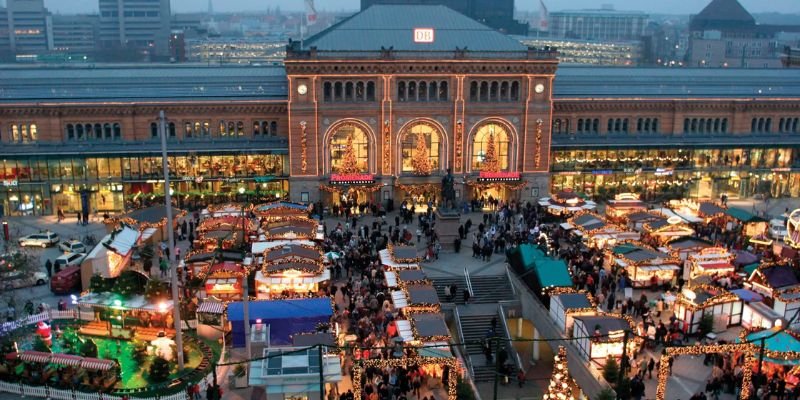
(345,136)
(595,125)
(240,128)
(273,128)
(187,129)
(580,125)
(694,125)
(611,124)
(433,91)
(360,95)
(90,133)
(514,91)
(327,91)
(486,134)
(117,130)
(716,124)
(107,131)
(724,125)
(443,93)
(709,125)
(639,125)
(370,91)
(473,91)
(337,91)
(686,125)
(79,132)
(153,129)
(556,126)
(98,131)
(171,129)
(702,125)
(264,128)
(423,91)
(504,91)
(348,91)
(625,125)
(412,91)
(655,125)
(781,126)
(494,91)
(484,91)
(754,124)
(409,146)
(768,125)
(70,132)
(231,131)
(401,91)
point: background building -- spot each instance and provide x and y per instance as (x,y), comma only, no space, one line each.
(75,33)
(724,34)
(573,51)
(605,24)
(498,14)
(133,24)
(26,27)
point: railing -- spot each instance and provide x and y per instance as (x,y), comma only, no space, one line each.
(36,318)
(468,283)
(463,347)
(65,394)
(509,343)
(510,282)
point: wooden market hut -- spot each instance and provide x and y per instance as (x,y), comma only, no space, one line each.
(695,302)
(597,232)
(291,270)
(404,277)
(602,335)
(768,279)
(662,232)
(684,246)
(539,271)
(111,315)
(781,357)
(290,228)
(625,204)
(416,297)
(224,281)
(198,262)
(711,261)
(280,209)
(636,220)
(151,221)
(752,225)
(567,304)
(643,263)
(65,369)
(395,257)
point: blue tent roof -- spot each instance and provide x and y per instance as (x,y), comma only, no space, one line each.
(781,342)
(281,309)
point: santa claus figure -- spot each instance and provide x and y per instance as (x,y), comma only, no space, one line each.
(45,332)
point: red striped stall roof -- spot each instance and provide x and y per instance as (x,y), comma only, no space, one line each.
(35,356)
(66,359)
(211,307)
(96,363)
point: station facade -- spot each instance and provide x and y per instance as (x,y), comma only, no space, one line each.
(378,108)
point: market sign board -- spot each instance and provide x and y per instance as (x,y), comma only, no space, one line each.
(498,176)
(343,179)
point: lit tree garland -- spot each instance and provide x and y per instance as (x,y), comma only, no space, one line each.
(561,383)
(421,160)
(349,161)
(490,162)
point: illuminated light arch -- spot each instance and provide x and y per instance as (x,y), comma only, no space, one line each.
(750,350)
(513,141)
(406,129)
(371,146)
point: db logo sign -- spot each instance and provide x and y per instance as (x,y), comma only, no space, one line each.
(423,35)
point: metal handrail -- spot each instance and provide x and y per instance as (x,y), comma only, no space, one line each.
(509,343)
(468,282)
(463,347)
(510,282)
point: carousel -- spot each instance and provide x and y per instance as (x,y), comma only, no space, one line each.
(291,271)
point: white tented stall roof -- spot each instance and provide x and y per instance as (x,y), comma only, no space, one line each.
(391,278)
(399,299)
(260,247)
(404,329)
(386,259)
(148,233)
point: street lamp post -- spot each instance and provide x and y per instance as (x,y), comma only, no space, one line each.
(176,301)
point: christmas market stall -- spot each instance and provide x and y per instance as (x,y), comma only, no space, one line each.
(781,353)
(211,322)
(416,297)
(567,303)
(711,261)
(199,261)
(280,209)
(403,277)
(769,279)
(112,256)
(125,317)
(636,220)
(695,302)
(752,225)
(290,271)
(662,232)
(290,228)
(566,202)
(645,266)
(230,231)
(225,210)
(539,271)
(597,232)
(685,246)
(282,318)
(400,257)
(602,335)
(625,204)
(223,280)
(152,218)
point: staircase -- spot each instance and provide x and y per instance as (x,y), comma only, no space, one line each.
(491,289)
(440,283)
(474,328)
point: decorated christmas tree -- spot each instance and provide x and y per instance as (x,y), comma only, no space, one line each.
(421,160)
(561,382)
(349,163)
(490,162)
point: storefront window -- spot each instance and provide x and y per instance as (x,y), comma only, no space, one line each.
(410,146)
(349,138)
(480,145)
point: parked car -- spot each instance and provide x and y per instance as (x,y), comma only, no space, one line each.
(69,260)
(21,279)
(66,280)
(43,239)
(777,229)
(72,246)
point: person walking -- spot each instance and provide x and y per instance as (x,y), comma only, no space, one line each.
(650,367)
(48,265)
(177,254)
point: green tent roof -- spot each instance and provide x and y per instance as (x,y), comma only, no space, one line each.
(626,248)
(750,268)
(743,215)
(781,342)
(553,273)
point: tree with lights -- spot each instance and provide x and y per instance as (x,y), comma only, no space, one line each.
(490,162)
(349,161)
(561,383)
(421,160)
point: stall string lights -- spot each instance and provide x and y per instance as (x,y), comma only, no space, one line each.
(450,362)
(413,260)
(303,147)
(459,134)
(298,263)
(557,291)
(561,382)
(143,225)
(538,148)
(387,146)
(775,355)
(368,188)
(722,296)
(420,189)
(670,352)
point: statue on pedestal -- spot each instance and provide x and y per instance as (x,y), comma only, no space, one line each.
(448,191)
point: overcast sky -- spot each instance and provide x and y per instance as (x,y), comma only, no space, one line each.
(661,7)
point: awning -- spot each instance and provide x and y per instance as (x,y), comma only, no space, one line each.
(399,299)
(277,280)
(391,278)
(436,350)
(747,295)
(66,359)
(35,356)
(668,267)
(715,265)
(211,307)
(148,233)
(404,329)
(386,259)
(743,215)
